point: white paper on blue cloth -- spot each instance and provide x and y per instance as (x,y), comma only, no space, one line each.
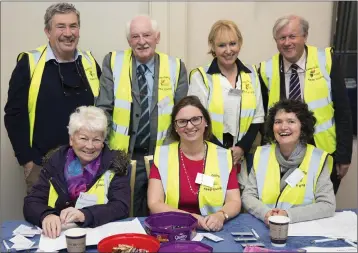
(334,249)
(94,235)
(341,225)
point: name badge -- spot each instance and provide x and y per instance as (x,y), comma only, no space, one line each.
(295,177)
(235,92)
(204,180)
(85,200)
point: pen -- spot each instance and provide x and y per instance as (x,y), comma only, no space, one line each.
(351,243)
(324,240)
(255,234)
(5,245)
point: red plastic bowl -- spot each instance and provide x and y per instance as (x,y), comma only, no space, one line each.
(140,241)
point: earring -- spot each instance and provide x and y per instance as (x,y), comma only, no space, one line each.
(206,125)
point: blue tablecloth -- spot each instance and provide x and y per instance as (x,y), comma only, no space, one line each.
(242,223)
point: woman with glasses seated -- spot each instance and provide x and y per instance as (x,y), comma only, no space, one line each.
(191,174)
(83,182)
(230,90)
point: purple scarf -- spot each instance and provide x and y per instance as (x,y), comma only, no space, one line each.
(78,177)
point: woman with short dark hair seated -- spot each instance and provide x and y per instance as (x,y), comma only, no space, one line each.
(175,183)
(290,177)
(84,169)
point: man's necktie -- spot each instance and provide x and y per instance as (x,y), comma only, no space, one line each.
(295,89)
(143,133)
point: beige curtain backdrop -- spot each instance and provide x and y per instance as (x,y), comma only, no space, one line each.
(184,29)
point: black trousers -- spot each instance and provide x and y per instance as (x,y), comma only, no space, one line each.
(334,178)
(140,205)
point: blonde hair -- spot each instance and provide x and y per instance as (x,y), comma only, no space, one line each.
(218,28)
(90,118)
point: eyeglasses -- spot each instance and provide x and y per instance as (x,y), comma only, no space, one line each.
(195,121)
(65,86)
(290,37)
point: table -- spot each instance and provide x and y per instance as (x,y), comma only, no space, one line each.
(242,223)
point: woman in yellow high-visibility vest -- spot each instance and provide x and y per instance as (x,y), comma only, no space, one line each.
(83,182)
(191,174)
(290,177)
(230,90)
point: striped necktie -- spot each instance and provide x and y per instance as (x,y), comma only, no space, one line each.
(143,133)
(295,88)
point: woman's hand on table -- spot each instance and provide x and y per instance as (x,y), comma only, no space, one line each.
(201,222)
(215,221)
(274,212)
(71,214)
(51,226)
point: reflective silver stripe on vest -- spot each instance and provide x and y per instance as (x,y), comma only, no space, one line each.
(312,172)
(319,103)
(268,71)
(118,63)
(119,129)
(322,66)
(247,113)
(252,75)
(106,182)
(173,70)
(119,103)
(88,58)
(214,116)
(36,54)
(224,178)
(324,126)
(163,166)
(161,135)
(206,210)
(261,170)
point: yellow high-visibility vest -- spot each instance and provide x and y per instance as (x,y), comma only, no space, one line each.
(37,61)
(249,83)
(100,189)
(317,92)
(218,164)
(121,65)
(268,177)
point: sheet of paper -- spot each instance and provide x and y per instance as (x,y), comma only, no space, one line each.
(341,225)
(198,237)
(94,235)
(325,249)
(26,231)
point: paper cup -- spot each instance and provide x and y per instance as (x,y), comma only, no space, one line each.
(76,240)
(278,230)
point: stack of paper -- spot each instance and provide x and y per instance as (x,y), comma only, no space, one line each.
(94,235)
(21,243)
(26,231)
(341,225)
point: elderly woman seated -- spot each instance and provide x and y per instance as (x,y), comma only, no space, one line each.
(191,174)
(83,182)
(290,177)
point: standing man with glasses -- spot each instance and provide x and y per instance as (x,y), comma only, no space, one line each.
(139,88)
(313,75)
(46,86)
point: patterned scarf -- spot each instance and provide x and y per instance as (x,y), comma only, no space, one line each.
(78,177)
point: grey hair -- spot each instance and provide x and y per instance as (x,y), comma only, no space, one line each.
(62,8)
(90,118)
(283,21)
(153,21)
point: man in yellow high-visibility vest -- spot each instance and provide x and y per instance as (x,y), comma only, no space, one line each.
(46,86)
(139,88)
(307,73)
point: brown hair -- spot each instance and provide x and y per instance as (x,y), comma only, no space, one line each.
(218,28)
(193,101)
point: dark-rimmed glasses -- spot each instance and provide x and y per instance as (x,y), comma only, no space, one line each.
(195,121)
(65,86)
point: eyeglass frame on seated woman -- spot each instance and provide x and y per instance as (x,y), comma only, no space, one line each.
(187,121)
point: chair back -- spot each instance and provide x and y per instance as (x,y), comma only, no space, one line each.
(132,184)
(148,161)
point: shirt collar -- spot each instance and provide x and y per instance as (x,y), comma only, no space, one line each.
(301,63)
(51,56)
(214,67)
(149,64)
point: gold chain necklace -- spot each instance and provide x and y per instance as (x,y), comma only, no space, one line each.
(186,173)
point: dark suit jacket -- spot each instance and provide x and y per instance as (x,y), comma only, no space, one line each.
(105,99)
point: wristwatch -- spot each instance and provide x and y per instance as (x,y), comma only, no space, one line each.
(225,214)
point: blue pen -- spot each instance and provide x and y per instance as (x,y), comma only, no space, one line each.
(255,234)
